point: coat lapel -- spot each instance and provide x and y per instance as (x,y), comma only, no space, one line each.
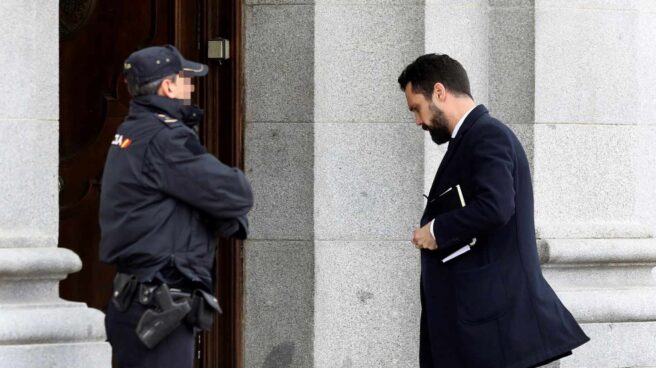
(473,116)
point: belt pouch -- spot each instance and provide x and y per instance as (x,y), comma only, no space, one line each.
(124,288)
(203,307)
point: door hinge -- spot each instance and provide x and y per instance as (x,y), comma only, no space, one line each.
(218,49)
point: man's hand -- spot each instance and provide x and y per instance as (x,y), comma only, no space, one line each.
(422,238)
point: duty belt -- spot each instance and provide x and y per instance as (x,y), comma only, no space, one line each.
(168,308)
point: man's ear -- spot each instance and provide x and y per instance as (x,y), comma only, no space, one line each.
(166,89)
(439,91)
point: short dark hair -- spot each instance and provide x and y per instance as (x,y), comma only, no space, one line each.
(429,69)
(148,88)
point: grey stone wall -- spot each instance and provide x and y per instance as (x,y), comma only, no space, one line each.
(645,80)
(368,185)
(279,160)
(594,209)
(37,329)
(571,79)
(337,286)
(586,122)
(29,114)
(337,168)
(494,40)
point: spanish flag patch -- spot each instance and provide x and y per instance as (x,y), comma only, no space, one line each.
(121,141)
(126,142)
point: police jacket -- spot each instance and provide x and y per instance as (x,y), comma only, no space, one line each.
(163,196)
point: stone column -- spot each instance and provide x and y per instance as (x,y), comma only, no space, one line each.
(37,328)
(594,114)
(368,184)
(574,80)
(335,162)
(279,160)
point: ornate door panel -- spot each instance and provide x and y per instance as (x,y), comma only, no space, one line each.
(95,38)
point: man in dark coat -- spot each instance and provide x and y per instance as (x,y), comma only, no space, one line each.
(489,306)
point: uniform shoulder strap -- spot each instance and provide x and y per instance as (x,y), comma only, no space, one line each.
(168,121)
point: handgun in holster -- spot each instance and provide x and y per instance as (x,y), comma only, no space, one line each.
(155,324)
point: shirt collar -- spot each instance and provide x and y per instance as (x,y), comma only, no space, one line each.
(462,120)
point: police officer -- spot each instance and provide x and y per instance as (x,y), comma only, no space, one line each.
(164,200)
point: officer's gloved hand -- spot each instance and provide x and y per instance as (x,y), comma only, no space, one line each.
(242,232)
(236,228)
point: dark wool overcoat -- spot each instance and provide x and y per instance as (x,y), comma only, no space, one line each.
(490,307)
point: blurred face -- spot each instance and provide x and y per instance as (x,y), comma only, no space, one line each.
(181,88)
(184,88)
(427,115)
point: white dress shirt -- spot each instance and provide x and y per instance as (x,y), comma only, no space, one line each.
(453,136)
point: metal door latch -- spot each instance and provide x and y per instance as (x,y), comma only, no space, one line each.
(218,49)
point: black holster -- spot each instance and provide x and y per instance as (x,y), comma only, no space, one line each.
(156,324)
(170,307)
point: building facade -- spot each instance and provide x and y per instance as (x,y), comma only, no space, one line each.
(339,169)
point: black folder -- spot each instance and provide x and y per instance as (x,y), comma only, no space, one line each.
(449,200)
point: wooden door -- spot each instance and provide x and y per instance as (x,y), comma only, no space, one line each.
(95,38)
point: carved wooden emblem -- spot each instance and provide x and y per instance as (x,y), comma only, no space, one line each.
(73,14)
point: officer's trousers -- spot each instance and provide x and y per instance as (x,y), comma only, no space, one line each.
(175,351)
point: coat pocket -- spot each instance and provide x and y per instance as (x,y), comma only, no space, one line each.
(481,294)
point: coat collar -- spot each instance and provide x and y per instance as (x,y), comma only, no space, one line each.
(189,114)
(473,116)
(471,119)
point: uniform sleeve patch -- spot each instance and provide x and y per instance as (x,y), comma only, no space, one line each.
(193,145)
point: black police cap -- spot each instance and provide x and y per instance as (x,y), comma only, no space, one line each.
(156,62)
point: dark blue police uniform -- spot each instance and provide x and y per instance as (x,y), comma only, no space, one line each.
(163,200)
